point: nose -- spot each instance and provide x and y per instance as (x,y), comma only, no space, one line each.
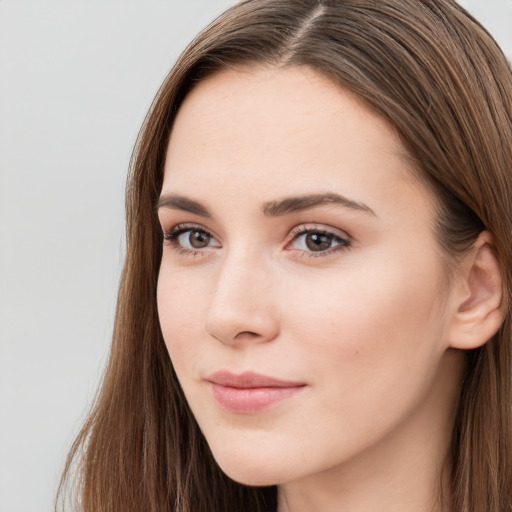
(243,308)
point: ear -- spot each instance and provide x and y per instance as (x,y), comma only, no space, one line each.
(478,310)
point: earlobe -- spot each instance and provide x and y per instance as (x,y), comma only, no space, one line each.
(478,311)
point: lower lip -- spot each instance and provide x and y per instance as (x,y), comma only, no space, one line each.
(250,400)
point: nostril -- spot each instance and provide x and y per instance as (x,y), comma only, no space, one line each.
(249,334)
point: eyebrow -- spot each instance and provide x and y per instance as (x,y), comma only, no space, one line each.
(177,202)
(270,209)
(306,202)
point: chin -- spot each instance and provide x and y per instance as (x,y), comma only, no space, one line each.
(253,476)
(257,470)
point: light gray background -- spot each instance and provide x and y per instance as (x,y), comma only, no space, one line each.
(77,77)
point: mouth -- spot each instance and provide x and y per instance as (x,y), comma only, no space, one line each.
(250,392)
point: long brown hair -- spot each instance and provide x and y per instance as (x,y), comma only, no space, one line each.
(434,73)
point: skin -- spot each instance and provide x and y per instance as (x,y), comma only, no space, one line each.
(365,325)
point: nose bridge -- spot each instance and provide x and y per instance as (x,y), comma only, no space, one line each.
(241,306)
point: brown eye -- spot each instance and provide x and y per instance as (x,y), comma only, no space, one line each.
(318,241)
(188,238)
(199,239)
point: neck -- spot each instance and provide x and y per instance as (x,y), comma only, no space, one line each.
(374,488)
(407,470)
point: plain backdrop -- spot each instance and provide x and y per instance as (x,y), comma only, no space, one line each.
(76,79)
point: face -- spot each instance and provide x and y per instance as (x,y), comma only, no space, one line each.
(301,287)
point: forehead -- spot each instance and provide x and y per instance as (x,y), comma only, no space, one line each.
(261,130)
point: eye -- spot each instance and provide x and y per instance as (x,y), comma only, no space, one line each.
(317,242)
(190,238)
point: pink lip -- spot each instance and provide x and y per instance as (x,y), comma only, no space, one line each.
(249,392)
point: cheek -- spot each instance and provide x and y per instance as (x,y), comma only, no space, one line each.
(179,310)
(371,325)
(370,345)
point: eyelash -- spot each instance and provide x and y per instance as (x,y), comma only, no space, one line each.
(172,237)
(344,243)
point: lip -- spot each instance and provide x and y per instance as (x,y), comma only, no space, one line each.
(250,392)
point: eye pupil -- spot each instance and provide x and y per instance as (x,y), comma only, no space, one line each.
(198,239)
(318,241)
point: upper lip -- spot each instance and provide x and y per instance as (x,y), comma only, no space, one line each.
(248,380)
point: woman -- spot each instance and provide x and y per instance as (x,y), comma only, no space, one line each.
(315,307)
